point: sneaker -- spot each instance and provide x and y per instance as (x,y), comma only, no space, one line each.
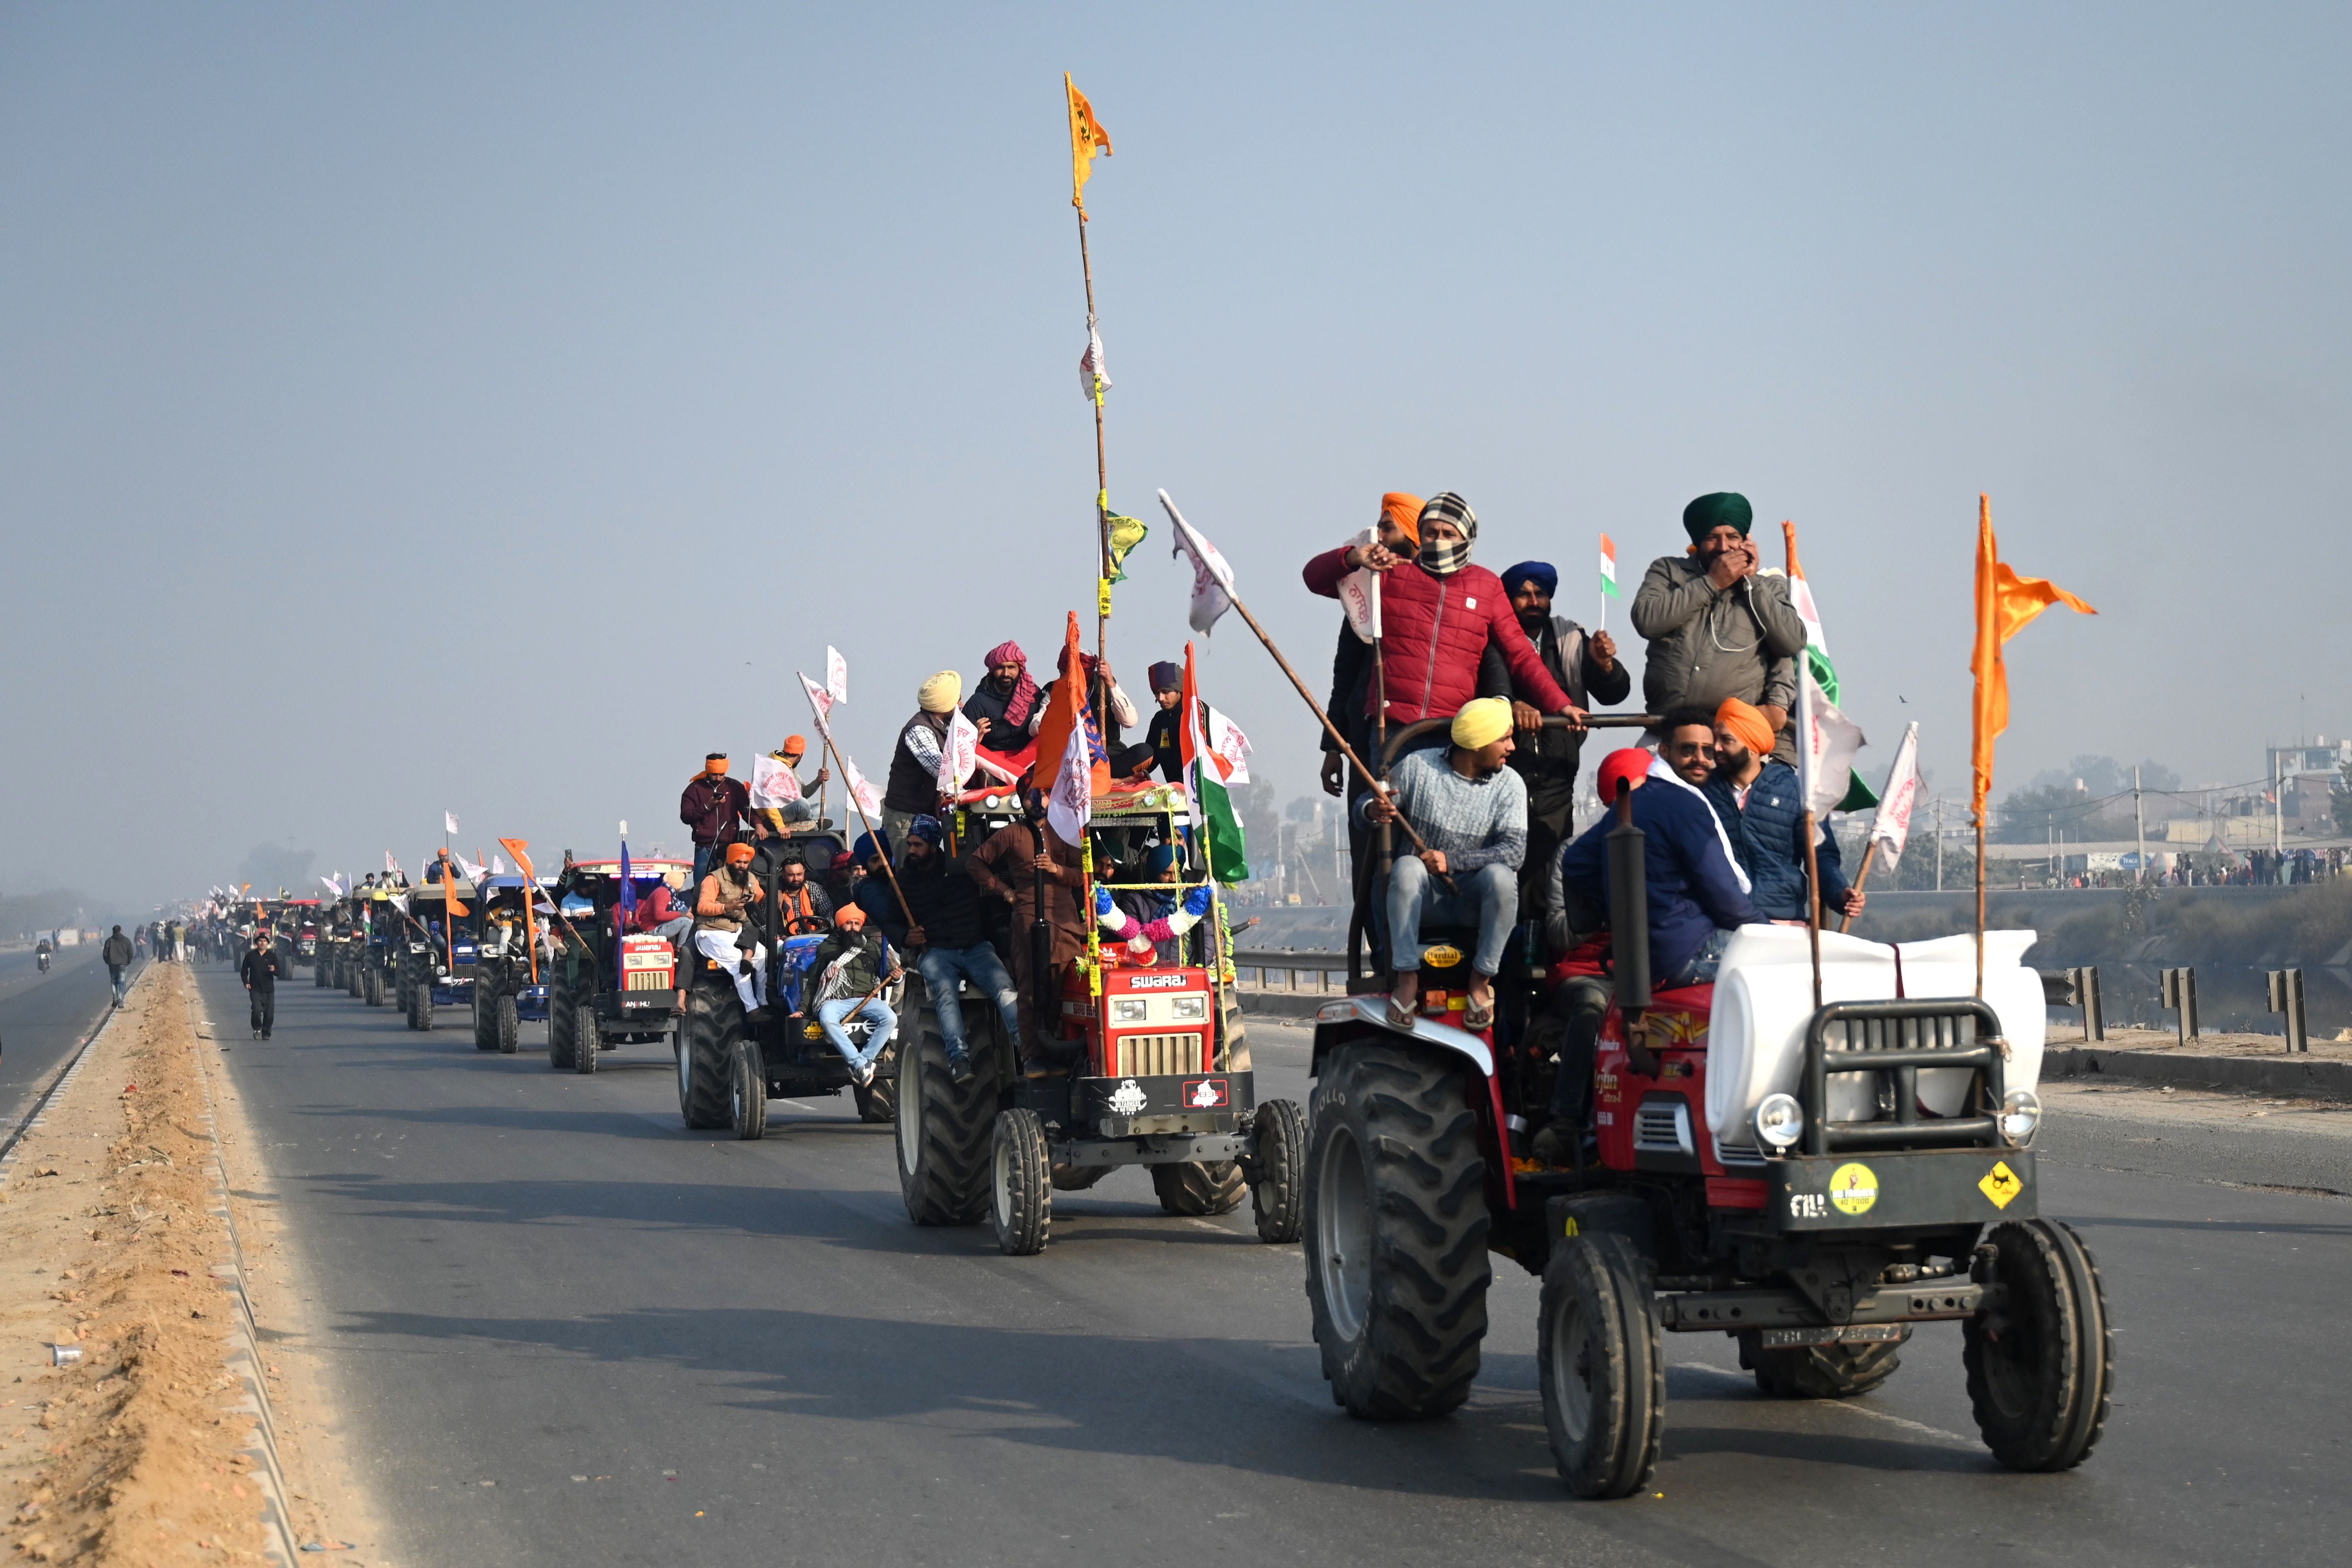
(960,1068)
(862,1074)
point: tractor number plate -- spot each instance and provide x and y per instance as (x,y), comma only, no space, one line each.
(1852,1333)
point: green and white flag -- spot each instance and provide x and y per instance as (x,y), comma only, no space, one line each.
(1215,754)
(1858,795)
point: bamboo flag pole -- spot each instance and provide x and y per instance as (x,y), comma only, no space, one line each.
(1869,848)
(858,805)
(1086,135)
(1805,788)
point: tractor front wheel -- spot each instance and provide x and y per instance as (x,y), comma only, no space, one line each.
(1278,1173)
(506,1024)
(2041,1365)
(1597,1361)
(1023,1185)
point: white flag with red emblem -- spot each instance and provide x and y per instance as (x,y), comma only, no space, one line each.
(836,676)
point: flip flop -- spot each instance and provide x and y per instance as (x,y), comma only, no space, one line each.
(1400,1016)
(1476,1018)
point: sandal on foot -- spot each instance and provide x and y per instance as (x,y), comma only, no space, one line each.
(1403,1014)
(1476,1016)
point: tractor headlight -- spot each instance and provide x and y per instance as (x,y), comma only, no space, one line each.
(1191,1007)
(1779,1121)
(2020,1113)
(1129,1010)
(991,804)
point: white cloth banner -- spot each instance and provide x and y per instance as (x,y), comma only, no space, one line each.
(836,674)
(1360,596)
(1892,829)
(867,798)
(333,886)
(821,701)
(1090,367)
(497,865)
(1212,579)
(959,753)
(1231,748)
(391,866)
(773,783)
(1827,742)
(1073,800)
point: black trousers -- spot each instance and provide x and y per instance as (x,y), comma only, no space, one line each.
(1582,1004)
(1552,803)
(265,1007)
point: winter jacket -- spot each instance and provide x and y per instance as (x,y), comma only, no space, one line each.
(987,702)
(868,960)
(1769,832)
(1550,754)
(655,908)
(710,807)
(1166,739)
(914,781)
(804,910)
(1708,643)
(1352,677)
(117,951)
(945,901)
(1434,631)
(258,968)
(1693,892)
(1002,868)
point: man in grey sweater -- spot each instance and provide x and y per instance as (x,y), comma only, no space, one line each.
(1717,626)
(1472,810)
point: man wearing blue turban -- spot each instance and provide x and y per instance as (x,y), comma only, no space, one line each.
(1585,665)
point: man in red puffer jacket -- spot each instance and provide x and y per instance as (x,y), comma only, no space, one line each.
(1437,613)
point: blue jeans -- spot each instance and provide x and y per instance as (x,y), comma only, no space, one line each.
(941,967)
(886,1024)
(1699,968)
(1489,898)
(114,975)
(703,856)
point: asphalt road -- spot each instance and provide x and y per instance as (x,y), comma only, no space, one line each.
(569,1331)
(42,1018)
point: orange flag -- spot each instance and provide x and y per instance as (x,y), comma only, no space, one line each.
(2006,604)
(1087,138)
(1065,711)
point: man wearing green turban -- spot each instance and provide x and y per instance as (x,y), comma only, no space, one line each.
(1717,626)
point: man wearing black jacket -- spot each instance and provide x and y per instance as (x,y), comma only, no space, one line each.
(950,941)
(259,973)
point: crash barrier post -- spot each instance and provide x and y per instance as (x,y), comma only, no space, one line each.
(1266,966)
(2286,997)
(2176,990)
(2077,988)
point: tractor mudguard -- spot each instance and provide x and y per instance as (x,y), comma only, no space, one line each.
(1352,1018)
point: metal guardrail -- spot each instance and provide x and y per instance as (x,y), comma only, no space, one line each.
(1269,970)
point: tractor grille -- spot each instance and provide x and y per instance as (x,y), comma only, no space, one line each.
(1934,1032)
(1664,1127)
(1146,1055)
(646,980)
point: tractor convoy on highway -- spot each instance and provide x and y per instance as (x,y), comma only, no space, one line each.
(1812,1155)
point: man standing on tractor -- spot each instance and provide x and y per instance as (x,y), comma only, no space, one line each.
(1007,706)
(950,940)
(259,972)
(1011,865)
(1763,810)
(713,803)
(913,787)
(856,964)
(1394,539)
(1472,810)
(1697,892)
(1717,626)
(722,931)
(1583,665)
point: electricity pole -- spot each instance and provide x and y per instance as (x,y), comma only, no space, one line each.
(2139,825)
(1939,844)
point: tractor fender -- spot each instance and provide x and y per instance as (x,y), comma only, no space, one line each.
(1345,1019)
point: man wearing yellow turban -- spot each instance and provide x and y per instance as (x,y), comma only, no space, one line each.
(1763,814)
(913,789)
(1472,812)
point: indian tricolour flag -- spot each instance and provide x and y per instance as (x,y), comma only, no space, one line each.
(1609,567)
(1824,735)
(1215,756)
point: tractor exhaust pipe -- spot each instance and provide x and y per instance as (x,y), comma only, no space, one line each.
(1629,928)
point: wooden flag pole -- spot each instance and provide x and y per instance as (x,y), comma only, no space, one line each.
(1101,692)
(1805,785)
(1869,848)
(1980,902)
(825,731)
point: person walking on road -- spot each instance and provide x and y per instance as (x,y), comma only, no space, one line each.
(259,972)
(117,955)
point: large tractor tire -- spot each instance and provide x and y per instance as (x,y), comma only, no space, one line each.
(878,1101)
(372,986)
(587,1037)
(714,1021)
(1200,1186)
(1822,1371)
(2042,1367)
(559,1025)
(319,975)
(1077,1179)
(1021,1184)
(420,1002)
(747,1091)
(944,1126)
(1597,1361)
(506,1025)
(1278,1172)
(485,1009)
(1396,1231)
(347,975)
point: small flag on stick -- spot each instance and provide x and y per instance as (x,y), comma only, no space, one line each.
(1087,138)
(836,676)
(1608,577)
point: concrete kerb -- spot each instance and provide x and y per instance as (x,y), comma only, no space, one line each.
(244,1341)
(59,1081)
(2286,1077)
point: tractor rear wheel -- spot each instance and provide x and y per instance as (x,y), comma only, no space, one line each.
(703,1055)
(1200,1186)
(506,1024)
(1278,1179)
(1396,1229)
(878,1101)
(944,1126)
(747,1091)
(1822,1371)
(587,1038)
(1022,1184)
(2040,1367)
(1597,1361)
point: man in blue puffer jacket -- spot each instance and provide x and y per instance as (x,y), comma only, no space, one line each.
(1763,811)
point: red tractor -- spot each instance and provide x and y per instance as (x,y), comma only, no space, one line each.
(1811,1176)
(1151,1076)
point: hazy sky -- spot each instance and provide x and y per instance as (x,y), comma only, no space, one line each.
(488,407)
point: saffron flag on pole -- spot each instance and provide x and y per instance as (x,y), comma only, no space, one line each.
(516,847)
(1087,138)
(1066,714)
(1212,579)
(836,674)
(1208,770)
(1891,829)
(2006,604)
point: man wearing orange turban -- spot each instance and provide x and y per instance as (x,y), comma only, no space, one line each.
(1763,814)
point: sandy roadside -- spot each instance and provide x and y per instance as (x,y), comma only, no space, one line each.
(113,1241)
